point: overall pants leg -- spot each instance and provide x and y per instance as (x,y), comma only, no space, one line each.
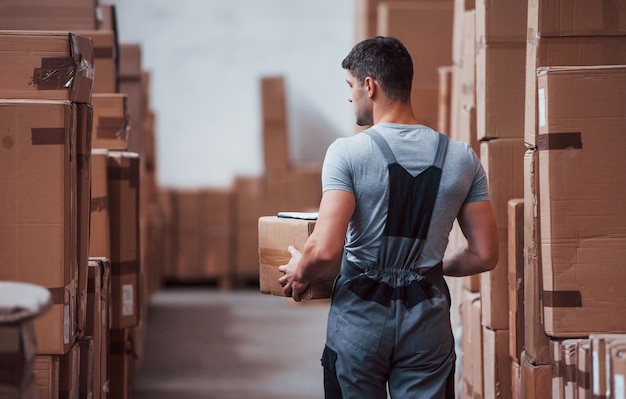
(390,325)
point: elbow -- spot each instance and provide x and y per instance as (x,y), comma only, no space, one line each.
(490,260)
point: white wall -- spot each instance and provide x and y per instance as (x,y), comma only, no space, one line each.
(206,58)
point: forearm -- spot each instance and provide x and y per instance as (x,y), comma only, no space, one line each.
(316,262)
(464,262)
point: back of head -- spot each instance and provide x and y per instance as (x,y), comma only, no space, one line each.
(386,60)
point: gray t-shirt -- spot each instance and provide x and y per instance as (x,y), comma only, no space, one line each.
(356,164)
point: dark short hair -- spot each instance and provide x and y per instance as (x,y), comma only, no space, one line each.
(386,60)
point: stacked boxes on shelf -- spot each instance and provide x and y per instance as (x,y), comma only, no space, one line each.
(71,189)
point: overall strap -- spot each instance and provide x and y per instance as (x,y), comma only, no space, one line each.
(442,147)
(382,144)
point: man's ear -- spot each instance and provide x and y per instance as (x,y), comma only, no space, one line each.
(370,86)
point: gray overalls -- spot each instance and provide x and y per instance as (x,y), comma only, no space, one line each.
(390,324)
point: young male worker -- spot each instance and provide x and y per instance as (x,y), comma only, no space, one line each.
(390,197)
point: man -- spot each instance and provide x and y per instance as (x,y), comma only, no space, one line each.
(390,197)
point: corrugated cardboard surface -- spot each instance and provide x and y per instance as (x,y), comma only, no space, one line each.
(46,372)
(558,51)
(69,369)
(275,236)
(105,53)
(425,28)
(516,277)
(38,217)
(46,15)
(123,187)
(577,18)
(501,21)
(503,163)
(536,379)
(583,212)
(497,363)
(99,234)
(274,123)
(110,121)
(98,295)
(46,65)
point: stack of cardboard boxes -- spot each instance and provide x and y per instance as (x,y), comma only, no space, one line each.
(73,212)
(536,88)
(547,101)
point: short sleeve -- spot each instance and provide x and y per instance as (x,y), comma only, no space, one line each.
(336,171)
(479,190)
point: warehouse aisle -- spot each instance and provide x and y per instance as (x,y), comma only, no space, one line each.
(204,343)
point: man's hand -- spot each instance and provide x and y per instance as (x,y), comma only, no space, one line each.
(292,283)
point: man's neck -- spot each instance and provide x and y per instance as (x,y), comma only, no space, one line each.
(400,113)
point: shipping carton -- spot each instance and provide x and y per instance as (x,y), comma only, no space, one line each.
(38,218)
(111,128)
(577,18)
(582,116)
(121,364)
(583,369)
(99,227)
(69,369)
(536,379)
(99,293)
(274,123)
(516,277)
(559,51)
(131,82)
(503,161)
(497,363)
(501,21)
(105,62)
(46,65)
(47,15)
(123,190)
(413,22)
(276,234)
(46,372)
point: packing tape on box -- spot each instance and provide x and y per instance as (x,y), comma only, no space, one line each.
(99,204)
(57,295)
(111,127)
(130,173)
(560,141)
(127,267)
(271,256)
(55,73)
(562,299)
(48,135)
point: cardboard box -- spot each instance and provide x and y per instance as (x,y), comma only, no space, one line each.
(105,53)
(365,19)
(516,380)
(583,238)
(86,367)
(467,363)
(111,128)
(121,364)
(275,235)
(577,18)
(46,372)
(46,65)
(600,351)
(99,293)
(84,122)
(501,21)
(99,234)
(583,369)
(570,382)
(536,379)
(47,15)
(413,22)
(131,81)
(558,369)
(618,372)
(69,369)
(275,126)
(38,218)
(571,51)
(123,187)
(17,355)
(497,363)
(503,162)
(516,277)
(536,342)
(444,110)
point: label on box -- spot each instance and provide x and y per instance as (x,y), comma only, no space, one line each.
(542,107)
(127,300)
(66,324)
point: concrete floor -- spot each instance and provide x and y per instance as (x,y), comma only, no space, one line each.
(203,343)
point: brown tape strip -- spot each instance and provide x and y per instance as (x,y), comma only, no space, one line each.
(99,204)
(570,373)
(91,286)
(557,368)
(83,161)
(562,299)
(57,295)
(48,135)
(103,52)
(272,256)
(55,73)
(109,127)
(130,173)
(583,379)
(128,267)
(560,141)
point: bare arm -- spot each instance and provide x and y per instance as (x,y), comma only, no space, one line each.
(323,247)
(478,224)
